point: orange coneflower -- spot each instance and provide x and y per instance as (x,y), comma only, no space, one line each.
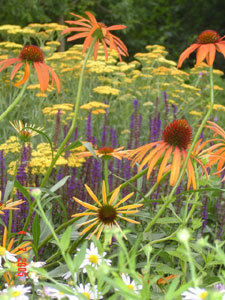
(106,152)
(173,147)
(208,42)
(31,54)
(9,205)
(25,134)
(7,254)
(106,213)
(90,28)
(219,154)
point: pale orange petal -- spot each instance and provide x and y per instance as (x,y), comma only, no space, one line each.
(175,167)
(89,227)
(114,195)
(202,52)
(128,220)
(124,199)
(164,163)
(104,196)
(185,54)
(93,196)
(87,205)
(25,76)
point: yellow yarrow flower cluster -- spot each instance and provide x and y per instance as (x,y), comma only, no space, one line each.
(54,109)
(12,145)
(106,90)
(95,104)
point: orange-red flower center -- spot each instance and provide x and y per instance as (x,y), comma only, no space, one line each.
(32,53)
(208,36)
(105,150)
(107,214)
(178,133)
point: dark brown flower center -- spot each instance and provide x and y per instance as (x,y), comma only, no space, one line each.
(107,214)
(178,133)
(32,53)
(105,150)
(208,36)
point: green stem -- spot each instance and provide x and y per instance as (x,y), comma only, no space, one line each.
(15,102)
(183,169)
(106,175)
(11,194)
(76,108)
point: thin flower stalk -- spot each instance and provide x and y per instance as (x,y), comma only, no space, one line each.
(170,197)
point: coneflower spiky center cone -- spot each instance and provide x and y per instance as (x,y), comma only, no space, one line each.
(208,36)
(32,53)
(107,214)
(105,150)
(178,133)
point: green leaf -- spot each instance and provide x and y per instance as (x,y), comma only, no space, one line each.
(90,148)
(65,239)
(23,190)
(167,220)
(8,189)
(36,230)
(73,145)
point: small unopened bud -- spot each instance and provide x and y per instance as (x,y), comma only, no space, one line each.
(183,235)
(36,192)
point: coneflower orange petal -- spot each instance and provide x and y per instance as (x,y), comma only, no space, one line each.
(89,227)
(41,79)
(55,78)
(8,62)
(100,231)
(15,69)
(84,214)
(25,76)
(129,206)
(164,163)
(155,159)
(77,36)
(114,195)
(191,175)
(129,220)
(202,52)
(175,167)
(4,237)
(185,54)
(211,56)
(221,48)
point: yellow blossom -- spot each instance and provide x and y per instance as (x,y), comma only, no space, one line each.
(195,113)
(105,89)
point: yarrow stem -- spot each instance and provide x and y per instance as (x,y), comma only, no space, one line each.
(74,119)
(170,197)
(15,102)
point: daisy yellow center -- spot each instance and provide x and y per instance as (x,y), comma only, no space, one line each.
(105,150)
(2,251)
(87,295)
(93,259)
(32,53)
(178,133)
(208,36)
(130,286)
(204,295)
(107,214)
(16,294)
(61,293)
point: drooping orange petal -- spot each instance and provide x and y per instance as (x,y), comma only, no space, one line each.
(8,62)
(114,195)
(41,80)
(191,175)
(151,154)
(202,52)
(77,36)
(155,159)
(84,214)
(211,56)
(116,27)
(55,78)
(15,69)
(25,76)
(10,244)
(91,17)
(96,229)
(164,163)
(175,167)
(87,222)
(185,54)
(221,48)
(100,231)
(87,205)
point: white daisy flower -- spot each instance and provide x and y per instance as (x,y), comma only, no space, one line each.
(93,258)
(54,293)
(32,274)
(88,291)
(131,284)
(6,255)
(194,294)
(68,274)
(36,264)
(17,292)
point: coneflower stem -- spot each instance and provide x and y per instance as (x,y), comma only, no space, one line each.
(106,175)
(170,196)
(15,102)
(74,119)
